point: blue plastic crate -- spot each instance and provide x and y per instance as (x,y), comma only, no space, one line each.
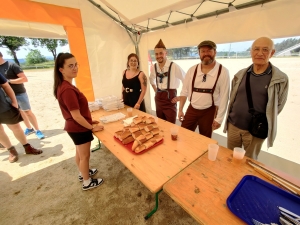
(254,198)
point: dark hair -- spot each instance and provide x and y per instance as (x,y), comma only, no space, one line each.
(133,55)
(59,63)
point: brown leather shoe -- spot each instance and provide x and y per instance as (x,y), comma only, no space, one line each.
(13,155)
(31,150)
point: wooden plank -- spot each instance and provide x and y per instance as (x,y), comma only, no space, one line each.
(155,167)
(203,187)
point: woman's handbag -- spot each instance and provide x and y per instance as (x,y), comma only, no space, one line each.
(258,126)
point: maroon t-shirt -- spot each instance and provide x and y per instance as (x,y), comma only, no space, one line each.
(69,99)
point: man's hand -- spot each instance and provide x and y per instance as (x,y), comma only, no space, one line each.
(175,99)
(180,116)
(215,125)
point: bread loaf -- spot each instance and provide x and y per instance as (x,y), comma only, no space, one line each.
(137,120)
(128,140)
(150,120)
(136,134)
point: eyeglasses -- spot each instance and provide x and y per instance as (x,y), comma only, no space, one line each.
(264,50)
(72,66)
(133,61)
(204,78)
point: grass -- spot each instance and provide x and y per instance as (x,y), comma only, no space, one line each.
(44,65)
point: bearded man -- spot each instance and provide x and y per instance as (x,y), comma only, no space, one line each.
(207,87)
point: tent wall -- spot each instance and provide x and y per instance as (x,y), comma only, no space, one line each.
(99,44)
(276,19)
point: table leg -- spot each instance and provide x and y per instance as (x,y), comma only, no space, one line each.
(97,147)
(156,206)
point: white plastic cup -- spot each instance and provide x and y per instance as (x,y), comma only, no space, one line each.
(238,153)
(129,112)
(213,151)
(174,133)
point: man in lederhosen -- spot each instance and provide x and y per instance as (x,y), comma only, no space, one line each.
(207,87)
(165,78)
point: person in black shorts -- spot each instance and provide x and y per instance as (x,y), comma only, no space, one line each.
(10,115)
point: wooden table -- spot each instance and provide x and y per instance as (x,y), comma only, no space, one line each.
(203,187)
(158,165)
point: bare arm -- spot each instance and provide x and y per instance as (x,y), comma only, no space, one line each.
(20,80)
(143,81)
(181,105)
(83,122)
(10,93)
(154,87)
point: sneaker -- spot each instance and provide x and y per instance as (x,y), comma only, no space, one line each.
(39,134)
(93,184)
(92,172)
(31,150)
(28,131)
(13,155)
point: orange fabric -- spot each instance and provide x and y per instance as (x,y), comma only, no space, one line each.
(25,10)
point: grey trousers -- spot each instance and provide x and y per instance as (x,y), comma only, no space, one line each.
(237,137)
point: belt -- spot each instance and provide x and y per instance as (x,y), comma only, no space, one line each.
(202,90)
(165,90)
(127,90)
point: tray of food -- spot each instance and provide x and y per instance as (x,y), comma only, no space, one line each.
(254,198)
(142,135)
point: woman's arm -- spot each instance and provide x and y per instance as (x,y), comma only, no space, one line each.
(83,122)
(143,81)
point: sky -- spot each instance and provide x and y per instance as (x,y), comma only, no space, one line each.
(237,46)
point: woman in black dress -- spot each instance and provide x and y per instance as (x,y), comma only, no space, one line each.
(134,84)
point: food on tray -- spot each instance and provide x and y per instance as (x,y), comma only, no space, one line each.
(150,120)
(128,140)
(155,131)
(143,132)
(150,127)
(137,120)
(134,129)
(136,134)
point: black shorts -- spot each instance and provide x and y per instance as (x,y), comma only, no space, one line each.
(80,138)
(12,116)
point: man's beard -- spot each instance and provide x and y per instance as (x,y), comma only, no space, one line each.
(206,61)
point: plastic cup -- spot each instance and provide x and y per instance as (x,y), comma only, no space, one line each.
(238,153)
(174,133)
(129,112)
(213,151)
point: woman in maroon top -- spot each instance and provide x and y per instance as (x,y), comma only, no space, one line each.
(74,108)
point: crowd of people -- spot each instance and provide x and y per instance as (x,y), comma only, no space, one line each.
(206,86)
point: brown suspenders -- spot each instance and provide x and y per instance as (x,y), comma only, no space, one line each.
(203,90)
(169,77)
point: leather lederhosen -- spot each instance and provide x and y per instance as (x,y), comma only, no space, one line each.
(165,109)
(202,118)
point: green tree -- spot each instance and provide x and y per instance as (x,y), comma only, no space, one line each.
(13,44)
(50,44)
(34,57)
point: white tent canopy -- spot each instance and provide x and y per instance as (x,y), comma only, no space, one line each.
(108,43)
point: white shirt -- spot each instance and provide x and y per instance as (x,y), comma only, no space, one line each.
(176,75)
(204,100)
